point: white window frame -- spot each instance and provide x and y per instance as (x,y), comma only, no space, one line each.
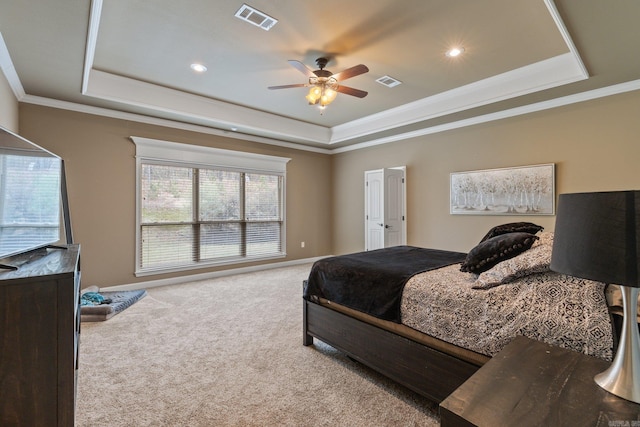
(196,156)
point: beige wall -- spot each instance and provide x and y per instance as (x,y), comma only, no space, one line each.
(8,106)
(100,165)
(595,146)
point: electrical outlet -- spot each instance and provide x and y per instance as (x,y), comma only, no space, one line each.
(302,244)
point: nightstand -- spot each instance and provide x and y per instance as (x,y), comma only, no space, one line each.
(531,383)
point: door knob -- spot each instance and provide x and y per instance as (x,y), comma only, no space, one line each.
(381,225)
(387,226)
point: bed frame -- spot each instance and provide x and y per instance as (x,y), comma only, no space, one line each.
(427,371)
(430,373)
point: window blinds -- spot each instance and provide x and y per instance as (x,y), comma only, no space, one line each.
(192,215)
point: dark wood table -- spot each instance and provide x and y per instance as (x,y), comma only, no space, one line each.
(531,383)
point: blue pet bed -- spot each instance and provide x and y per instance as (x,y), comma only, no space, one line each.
(100,306)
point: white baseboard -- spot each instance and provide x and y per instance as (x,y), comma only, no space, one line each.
(204,276)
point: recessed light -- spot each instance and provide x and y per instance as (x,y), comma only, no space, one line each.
(199,68)
(456,51)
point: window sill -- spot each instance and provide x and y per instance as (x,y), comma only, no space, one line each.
(201,265)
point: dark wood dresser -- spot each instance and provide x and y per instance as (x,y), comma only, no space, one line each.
(39,337)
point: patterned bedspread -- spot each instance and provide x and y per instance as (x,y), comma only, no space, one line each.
(560,310)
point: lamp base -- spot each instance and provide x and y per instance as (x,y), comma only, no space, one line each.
(622,378)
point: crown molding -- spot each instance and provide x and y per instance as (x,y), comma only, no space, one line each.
(140,118)
(124,90)
(9,71)
(546,74)
(617,89)
(92,39)
(551,7)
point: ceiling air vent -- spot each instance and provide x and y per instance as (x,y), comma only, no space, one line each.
(388,81)
(255,17)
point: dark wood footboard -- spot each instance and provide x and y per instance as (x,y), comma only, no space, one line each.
(429,372)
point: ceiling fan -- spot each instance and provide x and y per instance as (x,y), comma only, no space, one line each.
(324,84)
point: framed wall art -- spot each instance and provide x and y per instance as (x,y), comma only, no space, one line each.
(525,190)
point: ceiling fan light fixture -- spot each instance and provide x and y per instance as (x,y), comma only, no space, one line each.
(328,95)
(323,84)
(323,91)
(314,95)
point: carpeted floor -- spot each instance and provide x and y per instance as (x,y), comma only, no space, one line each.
(228,352)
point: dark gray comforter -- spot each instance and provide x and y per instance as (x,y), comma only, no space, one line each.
(373,281)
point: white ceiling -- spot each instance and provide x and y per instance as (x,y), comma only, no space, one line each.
(133,56)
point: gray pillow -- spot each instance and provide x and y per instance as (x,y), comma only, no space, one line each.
(535,260)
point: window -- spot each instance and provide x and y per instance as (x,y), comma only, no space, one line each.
(200,206)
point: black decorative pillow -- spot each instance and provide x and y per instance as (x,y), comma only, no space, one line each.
(512,227)
(496,249)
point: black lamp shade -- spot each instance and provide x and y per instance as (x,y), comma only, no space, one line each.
(597,237)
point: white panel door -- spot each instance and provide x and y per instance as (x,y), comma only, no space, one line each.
(384,208)
(393,207)
(374,209)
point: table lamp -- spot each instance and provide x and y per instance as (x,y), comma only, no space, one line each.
(597,237)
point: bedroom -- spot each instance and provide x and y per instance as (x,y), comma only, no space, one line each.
(593,144)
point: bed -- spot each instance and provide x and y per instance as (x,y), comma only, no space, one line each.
(428,319)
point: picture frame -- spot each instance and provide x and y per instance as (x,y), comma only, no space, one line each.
(523,190)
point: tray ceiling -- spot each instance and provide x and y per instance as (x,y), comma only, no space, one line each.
(135,56)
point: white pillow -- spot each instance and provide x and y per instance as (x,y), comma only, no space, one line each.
(535,260)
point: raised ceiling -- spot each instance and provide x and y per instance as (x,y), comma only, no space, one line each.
(117,57)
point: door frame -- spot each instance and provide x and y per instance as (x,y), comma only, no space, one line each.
(404,204)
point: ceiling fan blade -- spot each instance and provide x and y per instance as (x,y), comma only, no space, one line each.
(351,91)
(302,68)
(288,86)
(351,72)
